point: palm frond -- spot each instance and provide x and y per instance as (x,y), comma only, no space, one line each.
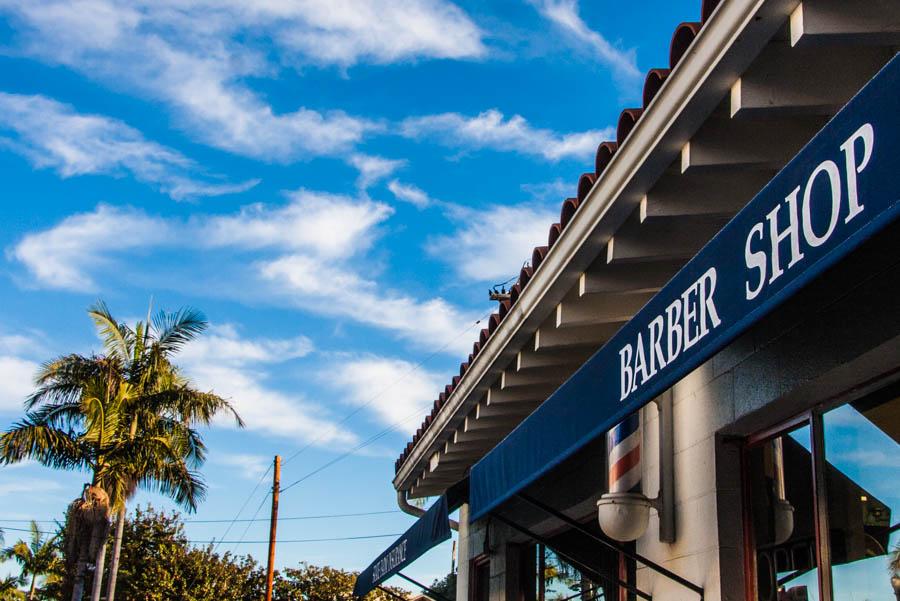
(192,406)
(174,330)
(53,447)
(117,337)
(63,378)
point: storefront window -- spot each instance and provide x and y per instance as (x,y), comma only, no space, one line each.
(559,581)
(862,453)
(783,517)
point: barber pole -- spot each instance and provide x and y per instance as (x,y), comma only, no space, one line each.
(624,451)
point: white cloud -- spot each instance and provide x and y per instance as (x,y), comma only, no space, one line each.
(247,465)
(329,225)
(554,191)
(395,390)
(268,410)
(373,169)
(305,254)
(337,290)
(564,14)
(494,241)
(29,487)
(409,193)
(59,257)
(492,131)
(223,345)
(196,55)
(53,135)
(65,255)
(16,382)
(233,367)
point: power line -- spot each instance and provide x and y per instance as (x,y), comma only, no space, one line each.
(240,521)
(250,523)
(346,454)
(254,542)
(304,540)
(402,377)
(246,501)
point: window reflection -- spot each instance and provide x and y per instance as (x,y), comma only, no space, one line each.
(781,488)
(862,450)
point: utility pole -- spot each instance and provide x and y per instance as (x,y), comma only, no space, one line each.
(273,526)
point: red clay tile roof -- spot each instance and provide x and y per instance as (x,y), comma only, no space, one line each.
(682,39)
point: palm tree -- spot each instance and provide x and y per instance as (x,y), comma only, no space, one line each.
(128,418)
(162,397)
(37,557)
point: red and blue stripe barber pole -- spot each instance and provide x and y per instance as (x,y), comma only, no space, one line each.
(624,452)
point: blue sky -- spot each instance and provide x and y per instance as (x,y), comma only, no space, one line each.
(335,184)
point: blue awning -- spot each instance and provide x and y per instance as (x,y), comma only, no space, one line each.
(429,530)
(837,192)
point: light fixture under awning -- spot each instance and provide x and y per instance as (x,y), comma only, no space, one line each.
(429,530)
(836,193)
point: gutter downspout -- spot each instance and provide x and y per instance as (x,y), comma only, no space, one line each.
(407,507)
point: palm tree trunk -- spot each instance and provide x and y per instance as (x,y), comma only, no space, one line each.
(114,564)
(33,586)
(98,573)
(78,582)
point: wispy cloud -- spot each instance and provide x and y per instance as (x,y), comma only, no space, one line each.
(494,240)
(53,135)
(195,56)
(16,382)
(338,290)
(409,193)
(304,254)
(224,345)
(491,130)
(565,15)
(373,169)
(246,465)
(325,225)
(29,486)
(396,391)
(236,368)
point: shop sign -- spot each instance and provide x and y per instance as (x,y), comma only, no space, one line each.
(429,530)
(838,191)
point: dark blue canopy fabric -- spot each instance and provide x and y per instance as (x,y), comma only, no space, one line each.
(429,530)
(843,187)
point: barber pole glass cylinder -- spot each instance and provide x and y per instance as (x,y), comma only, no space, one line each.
(624,452)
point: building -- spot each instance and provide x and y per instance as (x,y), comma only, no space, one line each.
(693,391)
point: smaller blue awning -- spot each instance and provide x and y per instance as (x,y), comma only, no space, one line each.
(837,192)
(429,530)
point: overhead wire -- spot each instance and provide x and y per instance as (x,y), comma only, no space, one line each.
(222,521)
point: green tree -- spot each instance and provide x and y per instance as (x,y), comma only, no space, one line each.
(314,583)
(127,417)
(37,557)
(161,397)
(445,586)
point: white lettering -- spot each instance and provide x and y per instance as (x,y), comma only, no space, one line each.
(858,151)
(866,133)
(673,327)
(655,340)
(688,319)
(627,378)
(830,168)
(640,363)
(708,313)
(755,260)
(792,232)
(689,303)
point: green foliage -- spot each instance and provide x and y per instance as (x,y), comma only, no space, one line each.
(159,564)
(445,586)
(37,557)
